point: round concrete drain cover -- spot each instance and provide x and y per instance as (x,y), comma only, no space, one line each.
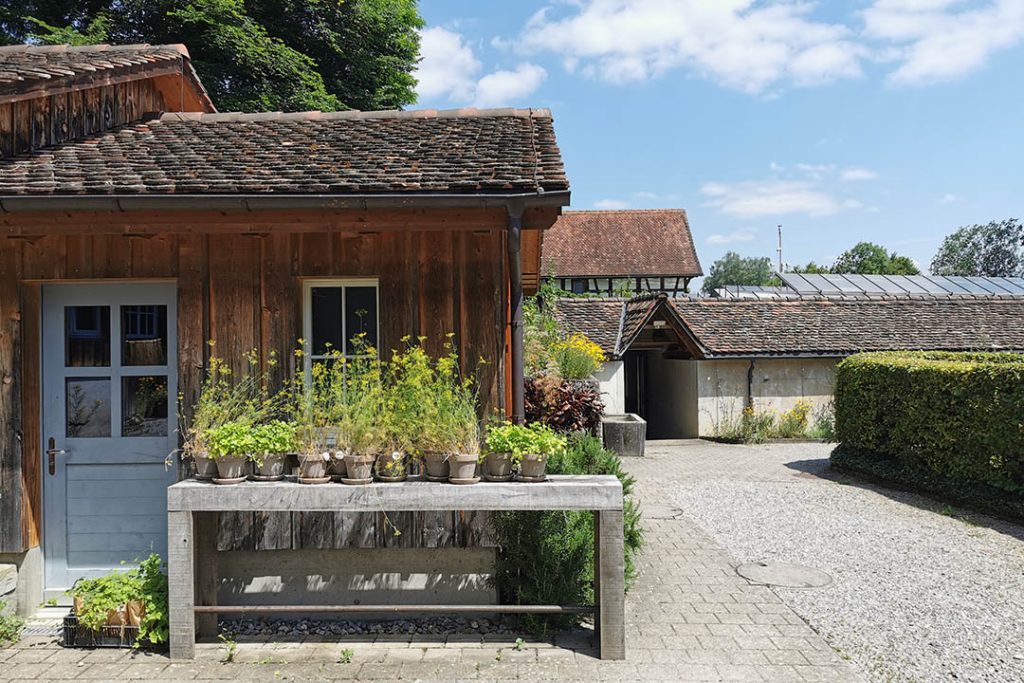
(661,512)
(783,574)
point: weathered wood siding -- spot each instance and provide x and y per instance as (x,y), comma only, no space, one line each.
(245,292)
(26,125)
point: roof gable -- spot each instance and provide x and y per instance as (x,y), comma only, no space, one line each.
(651,242)
(30,71)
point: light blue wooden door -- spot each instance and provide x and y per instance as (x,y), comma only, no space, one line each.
(110,390)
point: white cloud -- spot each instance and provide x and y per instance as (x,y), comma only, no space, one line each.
(745,235)
(759,198)
(448,66)
(858,174)
(611,204)
(508,87)
(949,198)
(449,70)
(742,44)
(936,40)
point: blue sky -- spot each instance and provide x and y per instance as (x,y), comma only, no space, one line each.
(894,121)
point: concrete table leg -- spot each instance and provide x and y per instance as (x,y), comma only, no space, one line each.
(205,563)
(610,584)
(181,588)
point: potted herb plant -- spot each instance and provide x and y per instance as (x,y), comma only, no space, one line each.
(272,442)
(409,380)
(456,418)
(545,443)
(364,410)
(232,446)
(506,445)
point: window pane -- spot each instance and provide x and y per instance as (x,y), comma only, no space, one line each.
(144,335)
(144,406)
(87,336)
(326,318)
(361,315)
(88,406)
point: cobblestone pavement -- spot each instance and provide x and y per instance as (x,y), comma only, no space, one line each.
(690,617)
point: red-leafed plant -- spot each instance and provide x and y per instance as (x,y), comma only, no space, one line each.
(564,406)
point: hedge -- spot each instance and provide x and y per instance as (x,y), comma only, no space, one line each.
(960,415)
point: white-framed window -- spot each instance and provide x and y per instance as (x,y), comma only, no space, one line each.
(334,312)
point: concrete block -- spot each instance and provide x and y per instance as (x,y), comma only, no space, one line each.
(624,434)
(8,580)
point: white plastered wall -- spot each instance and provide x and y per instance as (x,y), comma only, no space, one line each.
(612,385)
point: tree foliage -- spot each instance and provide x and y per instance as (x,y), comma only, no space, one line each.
(992,250)
(733,269)
(253,55)
(866,258)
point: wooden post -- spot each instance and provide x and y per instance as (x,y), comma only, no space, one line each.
(181,589)
(206,527)
(610,584)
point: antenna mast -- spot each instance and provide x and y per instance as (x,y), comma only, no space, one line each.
(780,249)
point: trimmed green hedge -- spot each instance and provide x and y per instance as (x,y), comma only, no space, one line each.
(960,415)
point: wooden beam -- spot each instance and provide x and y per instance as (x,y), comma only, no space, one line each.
(242,222)
(63,85)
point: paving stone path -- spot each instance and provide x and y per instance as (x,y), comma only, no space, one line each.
(690,617)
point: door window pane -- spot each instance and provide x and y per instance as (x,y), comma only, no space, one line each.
(88,406)
(360,315)
(327,322)
(144,335)
(87,336)
(144,405)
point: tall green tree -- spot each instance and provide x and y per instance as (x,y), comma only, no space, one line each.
(733,269)
(993,250)
(866,258)
(253,55)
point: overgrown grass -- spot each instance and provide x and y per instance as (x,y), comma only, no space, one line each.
(547,558)
(758,426)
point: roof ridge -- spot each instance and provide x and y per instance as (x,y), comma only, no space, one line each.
(315,115)
(625,211)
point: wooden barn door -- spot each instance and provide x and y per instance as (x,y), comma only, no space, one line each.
(109,357)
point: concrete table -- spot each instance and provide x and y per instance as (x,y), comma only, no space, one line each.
(193,506)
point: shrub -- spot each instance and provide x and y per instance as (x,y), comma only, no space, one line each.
(147,584)
(577,357)
(562,405)
(958,415)
(794,422)
(547,558)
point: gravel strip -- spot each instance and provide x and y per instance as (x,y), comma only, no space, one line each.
(917,596)
(343,627)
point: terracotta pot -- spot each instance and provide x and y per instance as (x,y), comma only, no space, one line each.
(359,467)
(437,465)
(232,466)
(312,466)
(392,467)
(463,466)
(206,467)
(336,465)
(498,466)
(271,465)
(533,466)
(136,610)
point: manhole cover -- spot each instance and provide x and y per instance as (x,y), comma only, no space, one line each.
(783,574)
(661,512)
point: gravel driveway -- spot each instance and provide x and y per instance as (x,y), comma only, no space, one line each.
(921,592)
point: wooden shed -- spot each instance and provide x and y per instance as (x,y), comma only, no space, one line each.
(125,248)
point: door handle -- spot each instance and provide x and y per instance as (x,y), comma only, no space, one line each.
(51,455)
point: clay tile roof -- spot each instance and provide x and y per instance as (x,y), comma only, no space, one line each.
(651,242)
(842,327)
(452,152)
(599,319)
(50,67)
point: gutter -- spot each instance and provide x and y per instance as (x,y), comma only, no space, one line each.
(264,202)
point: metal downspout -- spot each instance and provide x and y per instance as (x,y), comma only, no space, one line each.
(515,267)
